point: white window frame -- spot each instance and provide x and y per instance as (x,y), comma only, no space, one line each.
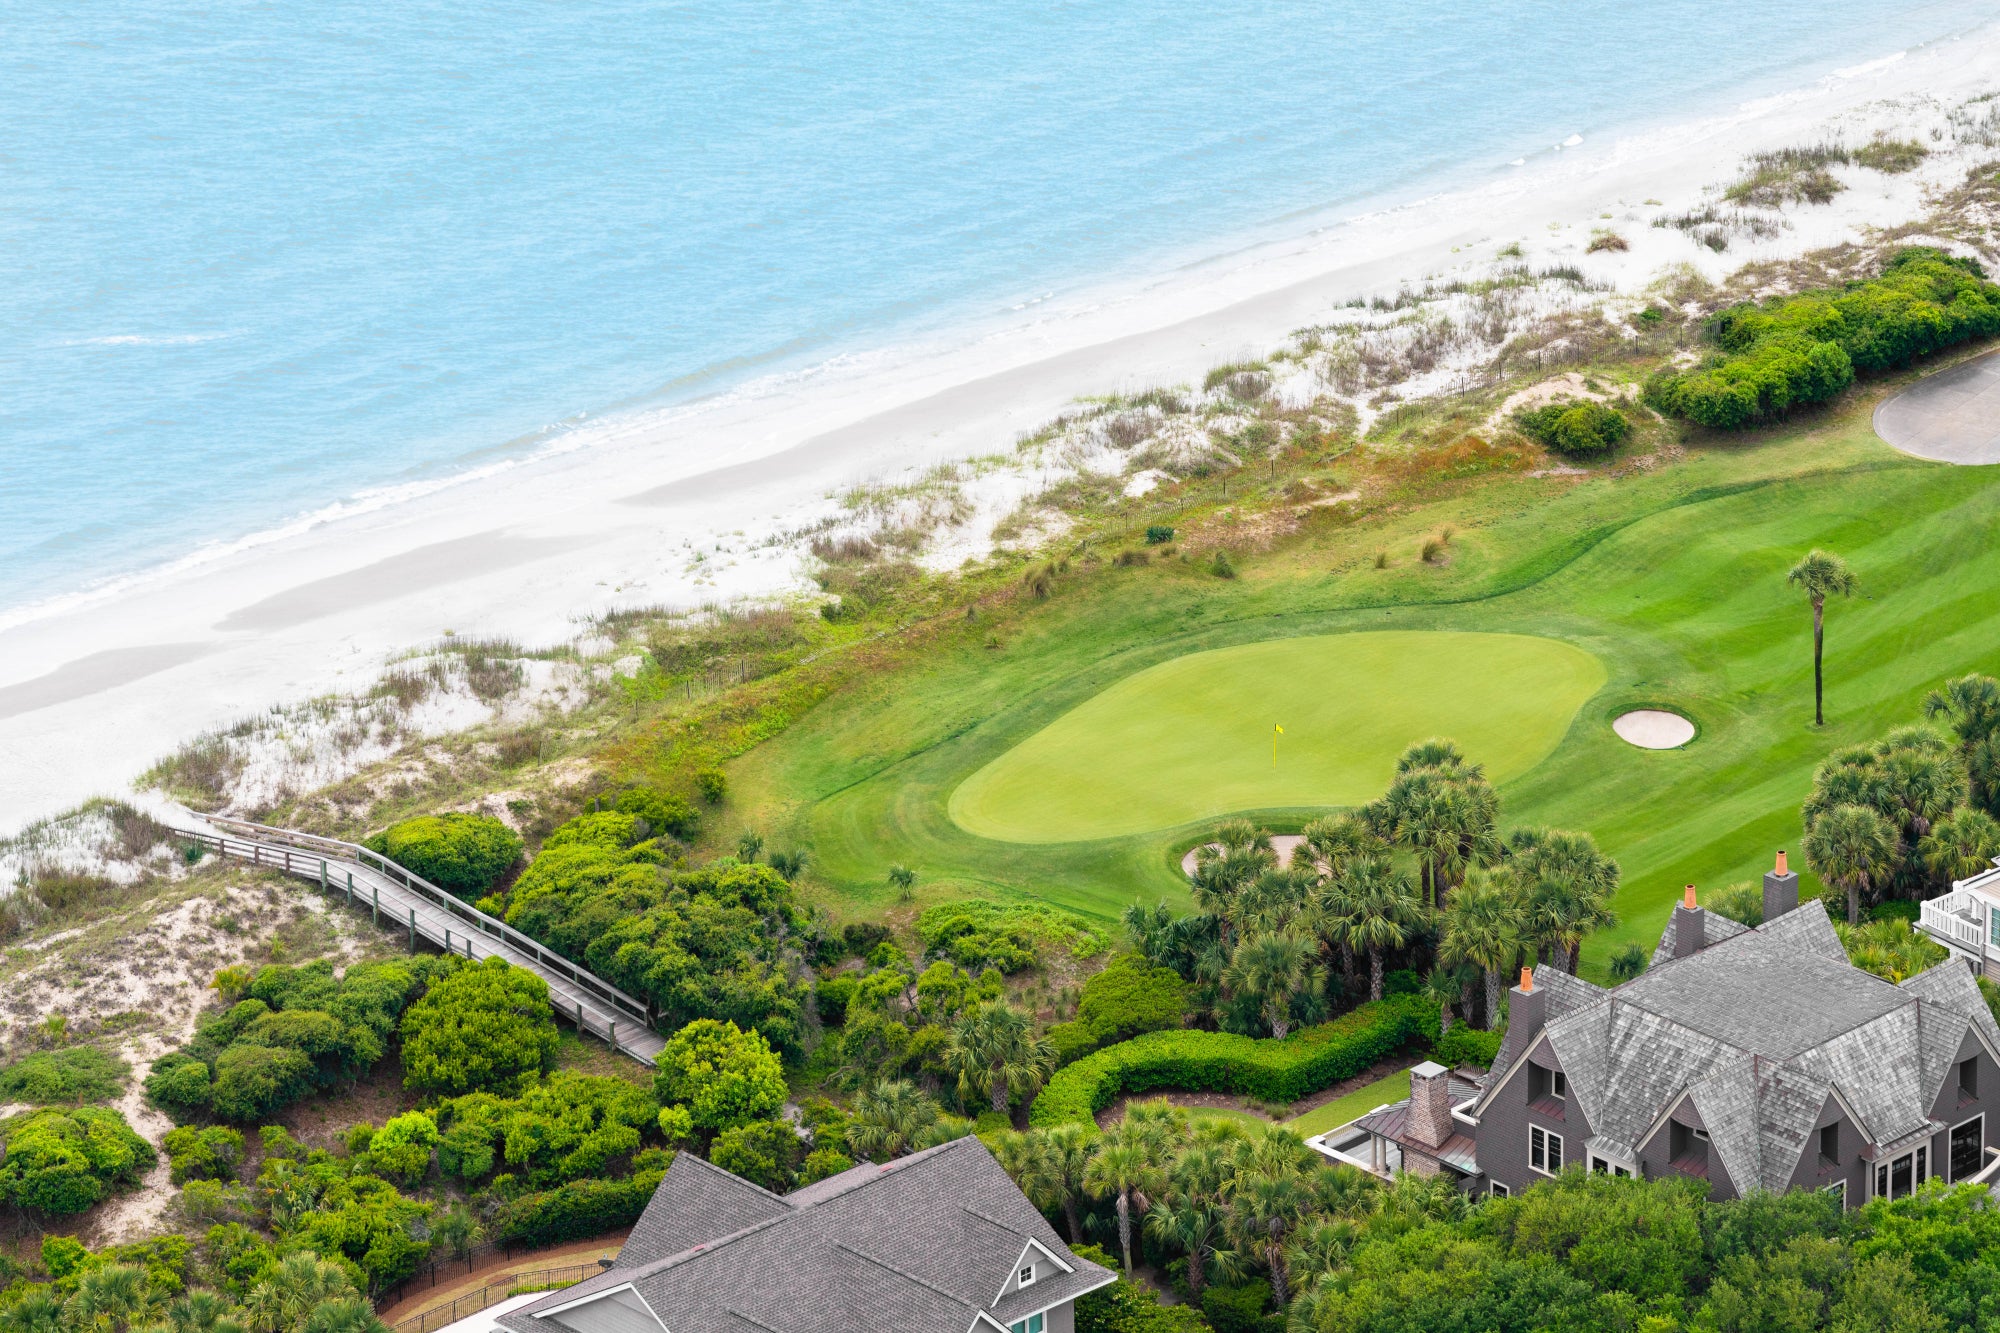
(1977,1166)
(1604,1166)
(1547,1136)
(1034,1323)
(1558,1085)
(1839,1191)
(1884,1176)
(1026,1277)
(1498,1189)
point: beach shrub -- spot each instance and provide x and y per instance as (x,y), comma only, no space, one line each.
(73,1074)
(663,811)
(1221,567)
(1797,350)
(1467,1045)
(832,997)
(59,1162)
(1124,1307)
(462,854)
(712,783)
(1573,429)
(1267,1069)
(763,1152)
(722,1074)
(402,1148)
(252,1082)
(576,1211)
(202,1154)
(562,1127)
(1130,996)
(482,1028)
(976,934)
(1237,1309)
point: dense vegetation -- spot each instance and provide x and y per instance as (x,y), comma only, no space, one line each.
(72,1074)
(460,853)
(1797,350)
(482,1027)
(1587,429)
(58,1162)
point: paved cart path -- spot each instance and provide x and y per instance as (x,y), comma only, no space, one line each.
(1952,417)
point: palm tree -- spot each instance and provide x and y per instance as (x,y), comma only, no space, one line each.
(349,1314)
(35,1312)
(110,1297)
(1852,848)
(905,880)
(887,1118)
(1196,1225)
(1450,988)
(1239,854)
(1321,1247)
(1263,1212)
(1961,845)
(1059,1169)
(1821,575)
(1373,909)
(1971,705)
(1334,841)
(197,1312)
(1124,1166)
(1274,969)
(1483,926)
(457,1231)
(995,1051)
(1568,886)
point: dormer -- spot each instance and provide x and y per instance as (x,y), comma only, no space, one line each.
(1034,1265)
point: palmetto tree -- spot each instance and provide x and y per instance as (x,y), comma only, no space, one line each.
(199,1311)
(1961,845)
(1483,926)
(1971,706)
(1059,1171)
(1125,1165)
(111,1297)
(995,1052)
(1274,969)
(1264,1210)
(35,1312)
(888,1118)
(1197,1226)
(1443,810)
(1852,848)
(1449,989)
(1371,909)
(1566,889)
(1819,576)
(1237,856)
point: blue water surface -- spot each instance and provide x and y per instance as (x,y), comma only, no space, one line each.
(257,256)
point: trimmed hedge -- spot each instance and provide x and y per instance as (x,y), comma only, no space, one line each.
(1465,1045)
(576,1211)
(1272,1071)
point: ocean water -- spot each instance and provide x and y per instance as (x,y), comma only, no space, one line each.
(256,258)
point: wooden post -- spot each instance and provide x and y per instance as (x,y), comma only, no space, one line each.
(580,1029)
(447,933)
(350,888)
(378,904)
(413,930)
(613,1038)
(322,875)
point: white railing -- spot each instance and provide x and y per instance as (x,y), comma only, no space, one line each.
(1940,917)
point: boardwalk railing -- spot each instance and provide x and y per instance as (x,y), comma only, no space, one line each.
(512,1284)
(282,848)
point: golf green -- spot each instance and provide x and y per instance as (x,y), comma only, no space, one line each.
(1191,738)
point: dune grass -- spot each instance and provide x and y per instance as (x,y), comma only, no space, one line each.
(1192,738)
(1673,579)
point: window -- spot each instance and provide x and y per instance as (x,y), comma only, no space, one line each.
(1026,1277)
(1032,1324)
(1546,1084)
(1558,1084)
(1545,1151)
(1838,1189)
(1968,1149)
(1968,1080)
(1604,1167)
(1829,1144)
(1497,1190)
(1896,1179)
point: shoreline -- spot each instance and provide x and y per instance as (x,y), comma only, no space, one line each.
(526,547)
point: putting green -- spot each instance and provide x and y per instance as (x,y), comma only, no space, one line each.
(1191,738)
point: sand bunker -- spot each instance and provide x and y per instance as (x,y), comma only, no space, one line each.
(1654,729)
(1953,416)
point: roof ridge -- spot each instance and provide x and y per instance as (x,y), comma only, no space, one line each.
(732,1177)
(907,1277)
(984,1217)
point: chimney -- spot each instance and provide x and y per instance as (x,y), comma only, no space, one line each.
(1527,1010)
(1781,891)
(1690,927)
(1430,1104)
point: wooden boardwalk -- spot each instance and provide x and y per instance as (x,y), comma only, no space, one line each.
(397,898)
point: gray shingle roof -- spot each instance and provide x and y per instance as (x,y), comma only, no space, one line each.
(1755,1030)
(924,1243)
(1715,928)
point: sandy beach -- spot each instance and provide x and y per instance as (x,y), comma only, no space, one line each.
(94,689)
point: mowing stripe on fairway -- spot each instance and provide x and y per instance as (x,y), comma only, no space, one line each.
(1192,738)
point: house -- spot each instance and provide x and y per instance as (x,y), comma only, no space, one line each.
(1751,1059)
(1967,921)
(938,1242)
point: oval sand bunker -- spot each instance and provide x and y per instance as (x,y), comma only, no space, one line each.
(1654,729)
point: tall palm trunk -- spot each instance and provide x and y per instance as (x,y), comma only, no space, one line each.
(1125,1229)
(1071,1220)
(1374,974)
(1853,902)
(1819,643)
(1573,956)
(997,1092)
(1280,1024)
(1492,999)
(1197,1272)
(1275,1259)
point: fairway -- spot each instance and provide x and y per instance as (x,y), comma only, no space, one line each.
(1191,738)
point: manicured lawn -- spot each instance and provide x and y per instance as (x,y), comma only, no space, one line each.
(1192,738)
(1391,1088)
(1672,580)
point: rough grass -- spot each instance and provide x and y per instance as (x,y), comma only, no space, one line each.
(1672,576)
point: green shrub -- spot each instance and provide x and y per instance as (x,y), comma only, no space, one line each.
(975,933)
(1802,349)
(662,811)
(612,830)
(1575,430)
(1158,534)
(564,1127)
(203,1154)
(460,853)
(1467,1045)
(576,1211)
(763,1152)
(73,1074)
(832,997)
(1125,1308)
(1130,997)
(723,1075)
(824,1163)
(63,1255)
(483,1028)
(1269,1070)
(1072,1041)
(1237,1309)
(401,1149)
(179,1085)
(712,783)
(251,1082)
(59,1162)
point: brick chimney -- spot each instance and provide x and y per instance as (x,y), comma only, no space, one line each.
(1690,925)
(1430,1104)
(1527,1011)
(1781,891)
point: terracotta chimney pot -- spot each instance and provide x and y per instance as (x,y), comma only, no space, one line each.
(1527,979)
(1781,861)
(1687,897)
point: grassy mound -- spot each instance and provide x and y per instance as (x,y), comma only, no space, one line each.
(1191,738)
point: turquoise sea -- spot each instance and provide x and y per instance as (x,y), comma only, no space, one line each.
(257,257)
